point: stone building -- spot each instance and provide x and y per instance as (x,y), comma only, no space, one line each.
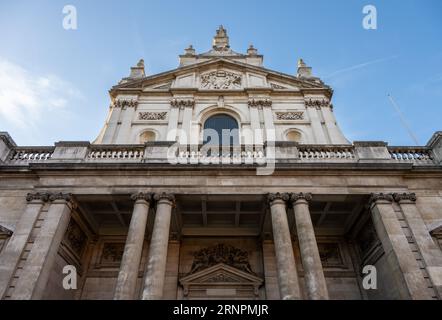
(282,207)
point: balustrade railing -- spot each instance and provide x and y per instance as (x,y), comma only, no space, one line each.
(30,154)
(220,154)
(115,152)
(418,155)
(318,152)
(213,154)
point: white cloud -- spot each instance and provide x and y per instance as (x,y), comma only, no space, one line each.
(26,97)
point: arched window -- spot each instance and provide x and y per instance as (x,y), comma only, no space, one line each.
(221,129)
(147,136)
(294,136)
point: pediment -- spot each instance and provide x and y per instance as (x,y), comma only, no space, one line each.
(221,74)
(221,274)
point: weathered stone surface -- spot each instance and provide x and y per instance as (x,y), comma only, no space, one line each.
(286,266)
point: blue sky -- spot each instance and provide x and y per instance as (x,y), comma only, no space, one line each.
(54,82)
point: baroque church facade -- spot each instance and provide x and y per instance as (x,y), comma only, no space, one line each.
(221,179)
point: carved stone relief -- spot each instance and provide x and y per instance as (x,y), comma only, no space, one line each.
(221,80)
(221,253)
(292,115)
(152,115)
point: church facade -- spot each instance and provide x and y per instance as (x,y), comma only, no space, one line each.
(221,179)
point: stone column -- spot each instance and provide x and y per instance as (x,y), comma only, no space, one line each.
(130,263)
(35,274)
(403,265)
(10,256)
(430,252)
(311,261)
(156,264)
(285,259)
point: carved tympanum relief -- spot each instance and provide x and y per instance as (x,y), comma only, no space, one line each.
(221,80)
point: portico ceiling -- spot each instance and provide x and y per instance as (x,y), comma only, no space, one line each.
(218,215)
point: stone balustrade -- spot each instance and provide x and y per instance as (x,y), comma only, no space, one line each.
(376,152)
(326,152)
(419,155)
(30,154)
(210,154)
(115,152)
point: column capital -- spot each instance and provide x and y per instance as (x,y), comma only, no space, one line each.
(65,197)
(375,197)
(283,196)
(404,197)
(300,196)
(182,103)
(38,196)
(165,196)
(146,196)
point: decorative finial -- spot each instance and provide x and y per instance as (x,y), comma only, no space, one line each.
(304,71)
(251,51)
(221,40)
(190,51)
(301,63)
(137,71)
